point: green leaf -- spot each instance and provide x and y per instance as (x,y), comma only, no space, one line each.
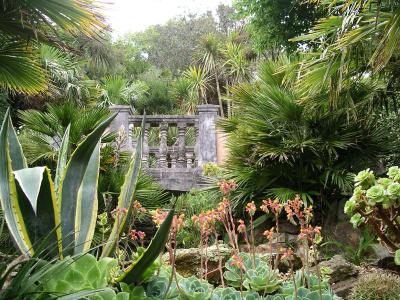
(127,194)
(62,158)
(30,181)
(39,208)
(87,204)
(8,193)
(397,257)
(136,269)
(18,159)
(71,183)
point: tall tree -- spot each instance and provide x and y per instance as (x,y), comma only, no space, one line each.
(273,22)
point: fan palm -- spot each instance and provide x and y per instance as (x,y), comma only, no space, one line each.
(42,132)
(282,148)
(23,23)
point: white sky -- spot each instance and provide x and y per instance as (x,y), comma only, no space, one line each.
(136,15)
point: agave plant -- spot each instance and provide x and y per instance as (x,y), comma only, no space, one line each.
(64,212)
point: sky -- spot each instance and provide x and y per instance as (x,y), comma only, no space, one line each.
(136,15)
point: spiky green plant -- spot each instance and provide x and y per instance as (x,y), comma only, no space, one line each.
(376,285)
(300,150)
(65,212)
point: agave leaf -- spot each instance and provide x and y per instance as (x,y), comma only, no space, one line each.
(71,183)
(126,196)
(62,158)
(8,192)
(41,216)
(136,269)
(87,204)
(18,159)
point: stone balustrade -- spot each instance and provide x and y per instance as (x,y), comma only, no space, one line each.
(178,162)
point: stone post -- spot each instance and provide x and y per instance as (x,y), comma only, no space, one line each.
(206,143)
(122,120)
(162,163)
(181,145)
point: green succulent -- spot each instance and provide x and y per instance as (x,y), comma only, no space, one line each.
(233,273)
(137,293)
(385,182)
(350,206)
(376,194)
(365,179)
(192,288)
(84,273)
(304,294)
(394,173)
(262,278)
(356,220)
(230,293)
(161,288)
(393,190)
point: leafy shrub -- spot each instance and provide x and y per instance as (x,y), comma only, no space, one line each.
(376,285)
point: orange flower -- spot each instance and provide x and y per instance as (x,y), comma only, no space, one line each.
(241,227)
(251,208)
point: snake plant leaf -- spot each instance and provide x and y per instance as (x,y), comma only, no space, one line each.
(71,182)
(39,208)
(134,272)
(8,192)
(62,158)
(127,194)
(87,204)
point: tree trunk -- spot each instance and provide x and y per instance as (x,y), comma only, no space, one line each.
(221,108)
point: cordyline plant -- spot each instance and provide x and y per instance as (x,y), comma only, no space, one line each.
(376,204)
(64,212)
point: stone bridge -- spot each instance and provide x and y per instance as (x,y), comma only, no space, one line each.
(176,167)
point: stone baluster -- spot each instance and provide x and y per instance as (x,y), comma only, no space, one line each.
(145,156)
(189,156)
(196,145)
(181,145)
(173,159)
(162,163)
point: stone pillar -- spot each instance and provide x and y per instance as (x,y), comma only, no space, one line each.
(162,163)
(122,120)
(207,139)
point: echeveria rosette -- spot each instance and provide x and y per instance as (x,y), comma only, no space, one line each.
(376,194)
(365,179)
(262,278)
(393,190)
(385,182)
(192,288)
(394,173)
(357,219)
(160,288)
(228,293)
(233,273)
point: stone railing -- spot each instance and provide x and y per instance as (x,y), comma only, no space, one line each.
(180,155)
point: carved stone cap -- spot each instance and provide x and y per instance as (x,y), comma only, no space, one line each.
(207,108)
(122,108)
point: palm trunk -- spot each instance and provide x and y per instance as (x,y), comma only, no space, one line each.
(221,108)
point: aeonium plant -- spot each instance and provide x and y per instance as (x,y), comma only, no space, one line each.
(376,203)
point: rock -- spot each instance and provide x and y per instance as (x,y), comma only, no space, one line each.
(188,261)
(343,274)
(341,269)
